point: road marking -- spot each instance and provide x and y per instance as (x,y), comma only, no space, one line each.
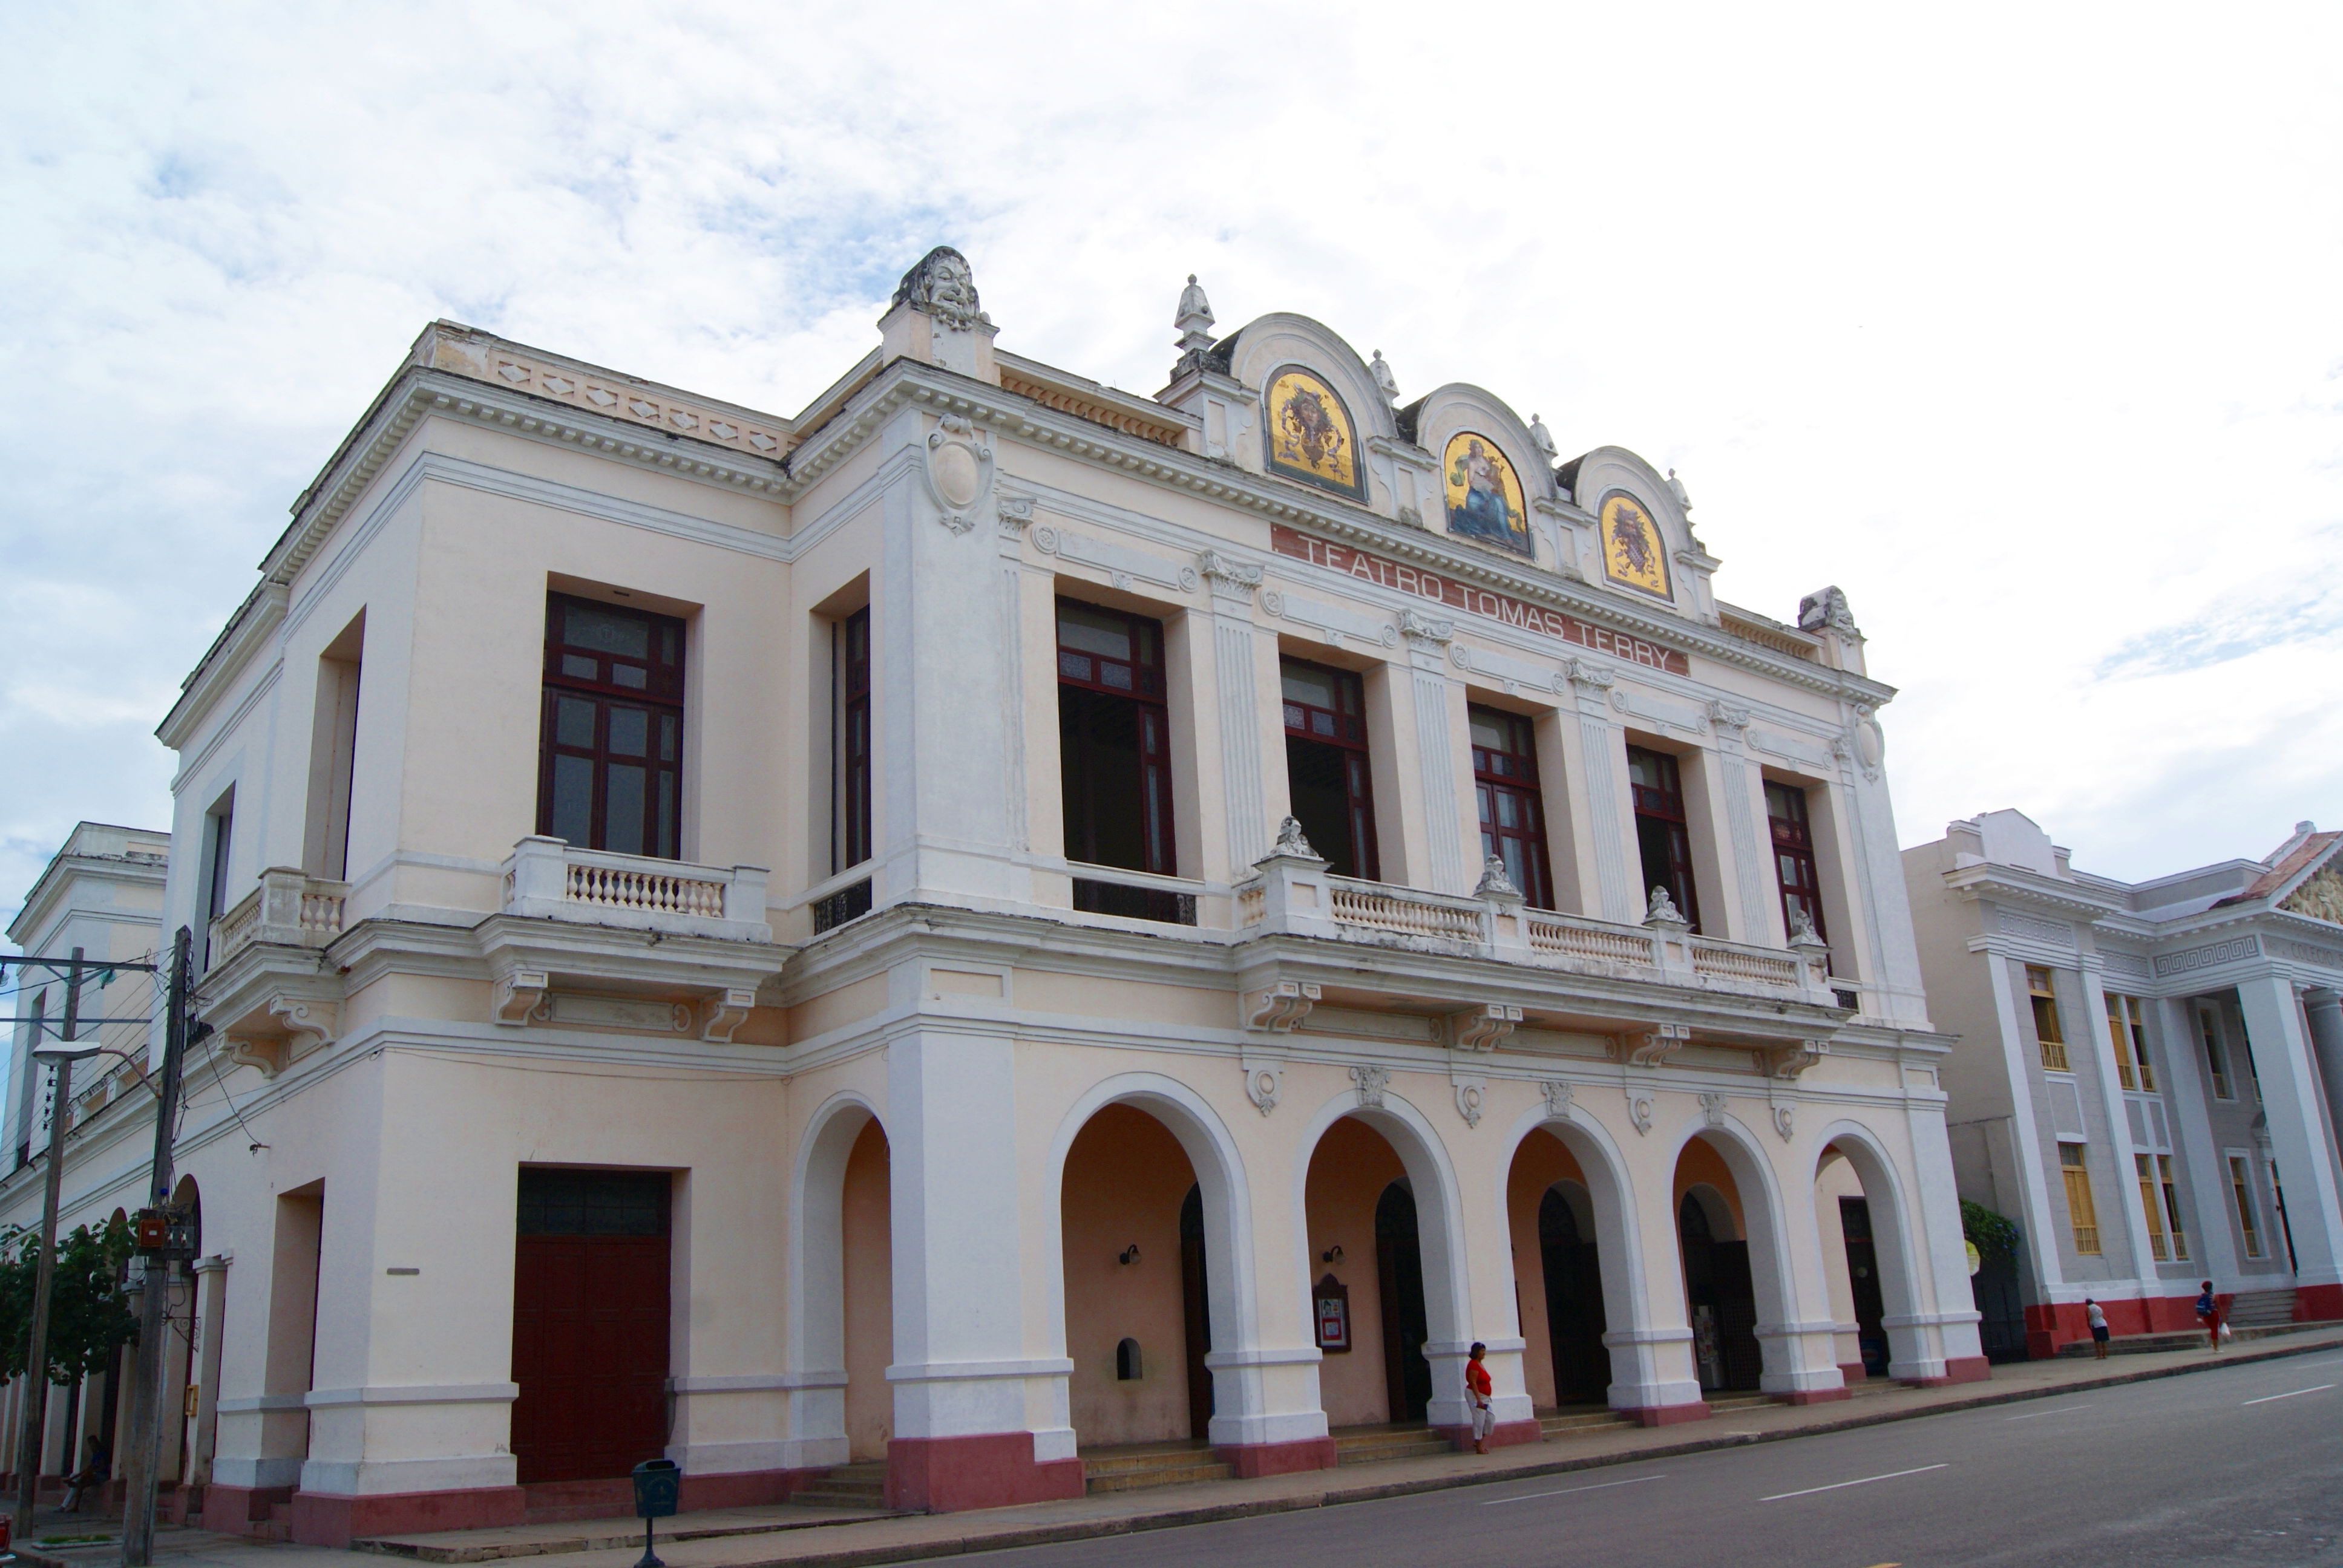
(2041,1414)
(1601,1486)
(1865,1480)
(2289,1394)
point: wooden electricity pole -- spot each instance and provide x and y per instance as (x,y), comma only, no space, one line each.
(36,1360)
(146,1446)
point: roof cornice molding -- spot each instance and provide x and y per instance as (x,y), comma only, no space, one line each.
(2016,886)
(906,383)
(246,634)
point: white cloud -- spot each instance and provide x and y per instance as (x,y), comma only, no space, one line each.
(2018,323)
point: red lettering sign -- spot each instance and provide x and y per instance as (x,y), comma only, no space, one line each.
(1497,606)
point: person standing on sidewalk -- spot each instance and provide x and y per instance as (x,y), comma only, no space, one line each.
(1478,1391)
(2097,1317)
(2208,1313)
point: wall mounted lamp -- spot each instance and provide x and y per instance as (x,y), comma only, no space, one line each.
(1128,1255)
(1333,1254)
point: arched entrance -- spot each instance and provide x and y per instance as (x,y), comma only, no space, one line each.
(1720,1292)
(1399,1283)
(841,1289)
(1851,1268)
(1557,1274)
(866,1206)
(1137,1287)
(1867,1252)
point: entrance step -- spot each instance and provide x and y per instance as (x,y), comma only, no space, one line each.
(278,1525)
(1135,1466)
(1555,1422)
(1723,1404)
(847,1486)
(1374,1444)
(2187,1339)
(565,1502)
(2260,1309)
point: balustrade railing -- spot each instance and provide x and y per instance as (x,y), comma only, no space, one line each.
(549,878)
(289,909)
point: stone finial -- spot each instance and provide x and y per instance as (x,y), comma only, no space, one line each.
(1192,320)
(1663,911)
(1543,439)
(1802,928)
(944,286)
(1495,883)
(1290,841)
(1825,608)
(1676,489)
(1385,382)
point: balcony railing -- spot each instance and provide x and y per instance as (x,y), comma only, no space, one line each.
(289,909)
(1295,894)
(549,878)
(1133,894)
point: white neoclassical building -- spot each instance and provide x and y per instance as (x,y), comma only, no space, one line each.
(997,920)
(2149,1077)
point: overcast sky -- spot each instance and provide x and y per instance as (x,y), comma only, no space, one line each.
(2023,327)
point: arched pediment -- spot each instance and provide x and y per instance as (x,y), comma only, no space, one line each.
(1640,527)
(1317,408)
(1490,471)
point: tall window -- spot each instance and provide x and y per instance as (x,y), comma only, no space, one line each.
(2241,1190)
(1114,740)
(2082,1215)
(611,749)
(1793,856)
(1513,814)
(2217,1056)
(333,754)
(2172,1208)
(2127,1031)
(850,741)
(1326,764)
(1661,834)
(219,836)
(2044,997)
(2151,1205)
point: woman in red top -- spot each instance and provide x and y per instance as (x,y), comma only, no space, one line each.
(1477,1390)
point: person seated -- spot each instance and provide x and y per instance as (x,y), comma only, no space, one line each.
(95,1471)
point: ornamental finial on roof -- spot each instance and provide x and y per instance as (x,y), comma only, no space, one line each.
(1385,382)
(944,285)
(1543,439)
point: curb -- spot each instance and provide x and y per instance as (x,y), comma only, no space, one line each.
(1213,1513)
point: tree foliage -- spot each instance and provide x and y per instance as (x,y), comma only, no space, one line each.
(90,1312)
(1993,1235)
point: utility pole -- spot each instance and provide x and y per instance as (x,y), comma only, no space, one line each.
(145,1447)
(37,1361)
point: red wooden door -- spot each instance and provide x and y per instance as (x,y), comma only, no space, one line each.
(589,1350)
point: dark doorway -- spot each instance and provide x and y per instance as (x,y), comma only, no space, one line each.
(1196,1299)
(1663,838)
(1399,1261)
(1326,765)
(1994,1288)
(1573,1306)
(1863,1275)
(589,1323)
(1722,1301)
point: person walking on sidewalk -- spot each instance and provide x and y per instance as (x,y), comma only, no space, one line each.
(2097,1317)
(2208,1313)
(1477,1392)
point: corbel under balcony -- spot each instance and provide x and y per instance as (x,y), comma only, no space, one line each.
(271,1018)
(524,997)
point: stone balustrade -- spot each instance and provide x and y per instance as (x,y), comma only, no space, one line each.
(289,909)
(549,878)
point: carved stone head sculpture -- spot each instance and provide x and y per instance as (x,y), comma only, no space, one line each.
(944,286)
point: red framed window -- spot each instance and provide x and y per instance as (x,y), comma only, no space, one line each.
(1512,813)
(610,751)
(1661,834)
(851,646)
(1332,786)
(1794,855)
(1115,739)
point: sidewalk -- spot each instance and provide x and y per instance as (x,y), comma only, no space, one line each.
(789,1536)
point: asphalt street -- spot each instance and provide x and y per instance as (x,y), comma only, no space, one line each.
(2241,1465)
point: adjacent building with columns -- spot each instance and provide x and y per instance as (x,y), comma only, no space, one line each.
(997,919)
(2149,1077)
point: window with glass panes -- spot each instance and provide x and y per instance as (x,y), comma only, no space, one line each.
(1793,856)
(1512,813)
(611,749)
(1661,837)
(2172,1208)
(2127,1032)
(850,661)
(2151,1206)
(2216,1055)
(2241,1190)
(1114,742)
(1326,768)
(2044,997)
(2082,1214)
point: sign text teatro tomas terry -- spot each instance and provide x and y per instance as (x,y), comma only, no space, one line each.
(1499,607)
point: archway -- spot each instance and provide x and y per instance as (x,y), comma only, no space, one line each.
(1720,1292)
(841,1289)
(1859,1205)
(1131,1234)
(1379,1217)
(1557,1274)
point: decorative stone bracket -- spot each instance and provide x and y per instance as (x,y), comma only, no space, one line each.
(1639,1109)
(1787,1062)
(1654,1046)
(1371,1082)
(725,1012)
(520,996)
(1472,1096)
(1265,1081)
(1281,1008)
(301,1019)
(1482,1028)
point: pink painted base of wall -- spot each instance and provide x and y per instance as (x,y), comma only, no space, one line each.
(2048,1326)
(1853,1373)
(1253,1459)
(235,1510)
(991,1469)
(1505,1434)
(325,1519)
(1813,1395)
(2318,1303)
(1665,1414)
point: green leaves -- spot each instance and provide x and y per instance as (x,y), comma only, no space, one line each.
(90,1313)
(1992,1234)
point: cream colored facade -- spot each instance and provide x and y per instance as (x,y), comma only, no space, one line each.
(419,994)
